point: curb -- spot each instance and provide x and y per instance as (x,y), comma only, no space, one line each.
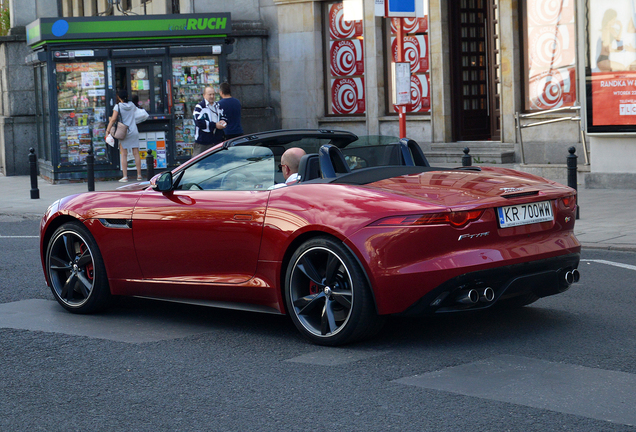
(609,247)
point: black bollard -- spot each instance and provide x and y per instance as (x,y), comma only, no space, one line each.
(150,165)
(571,163)
(467,159)
(90,169)
(33,166)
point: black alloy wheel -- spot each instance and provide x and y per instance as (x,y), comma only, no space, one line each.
(76,270)
(327,294)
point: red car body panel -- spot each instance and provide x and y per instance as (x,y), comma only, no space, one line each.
(231,246)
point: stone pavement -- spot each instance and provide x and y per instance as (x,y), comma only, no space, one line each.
(606,215)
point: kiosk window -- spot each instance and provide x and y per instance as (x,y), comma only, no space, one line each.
(190,77)
(81,110)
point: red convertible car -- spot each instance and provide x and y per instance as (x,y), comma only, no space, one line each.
(370,230)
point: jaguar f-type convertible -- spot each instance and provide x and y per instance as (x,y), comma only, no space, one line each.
(369,230)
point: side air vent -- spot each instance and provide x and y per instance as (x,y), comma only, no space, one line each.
(116,223)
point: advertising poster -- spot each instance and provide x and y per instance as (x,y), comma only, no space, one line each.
(411,25)
(338,27)
(346,58)
(346,63)
(347,95)
(550,54)
(612,87)
(415,52)
(420,95)
(154,142)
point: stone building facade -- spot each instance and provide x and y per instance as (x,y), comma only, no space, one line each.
(469,87)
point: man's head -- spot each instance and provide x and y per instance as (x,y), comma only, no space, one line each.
(225,90)
(290,160)
(208,95)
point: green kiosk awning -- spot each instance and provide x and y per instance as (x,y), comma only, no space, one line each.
(128,27)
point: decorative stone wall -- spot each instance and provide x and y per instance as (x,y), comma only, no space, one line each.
(17,106)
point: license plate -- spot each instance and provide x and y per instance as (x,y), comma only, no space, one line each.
(525,214)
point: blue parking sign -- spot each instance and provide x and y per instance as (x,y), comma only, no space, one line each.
(401,8)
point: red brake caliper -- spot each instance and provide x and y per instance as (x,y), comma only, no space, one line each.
(89,266)
(313,288)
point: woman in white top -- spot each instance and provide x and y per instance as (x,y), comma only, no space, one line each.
(127,110)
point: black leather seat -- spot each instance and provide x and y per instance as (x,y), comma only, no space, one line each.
(309,167)
(332,161)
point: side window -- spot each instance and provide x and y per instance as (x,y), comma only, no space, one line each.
(236,168)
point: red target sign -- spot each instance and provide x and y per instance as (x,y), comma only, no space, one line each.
(415,52)
(338,27)
(553,89)
(347,95)
(551,46)
(542,12)
(346,58)
(420,95)
(411,25)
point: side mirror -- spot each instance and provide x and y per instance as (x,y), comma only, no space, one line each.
(164,182)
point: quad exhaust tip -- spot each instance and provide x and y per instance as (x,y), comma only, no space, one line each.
(472,296)
(572,276)
(487,295)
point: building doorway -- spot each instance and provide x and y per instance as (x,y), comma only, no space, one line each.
(475,69)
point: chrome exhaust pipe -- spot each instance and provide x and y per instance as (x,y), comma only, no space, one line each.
(470,296)
(576,275)
(569,278)
(487,295)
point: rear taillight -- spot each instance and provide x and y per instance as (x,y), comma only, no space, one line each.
(568,202)
(456,219)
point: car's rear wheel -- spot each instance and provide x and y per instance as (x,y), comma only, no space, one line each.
(327,294)
(76,270)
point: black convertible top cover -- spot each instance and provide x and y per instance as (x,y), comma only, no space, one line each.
(373,174)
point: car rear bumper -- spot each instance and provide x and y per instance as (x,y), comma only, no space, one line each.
(542,278)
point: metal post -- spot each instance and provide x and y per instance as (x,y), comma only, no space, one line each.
(33,166)
(90,169)
(150,165)
(523,156)
(571,163)
(467,160)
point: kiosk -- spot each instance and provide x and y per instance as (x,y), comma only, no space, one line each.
(80,64)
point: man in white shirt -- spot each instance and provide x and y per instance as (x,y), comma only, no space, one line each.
(289,162)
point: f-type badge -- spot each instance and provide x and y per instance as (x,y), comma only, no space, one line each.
(472,236)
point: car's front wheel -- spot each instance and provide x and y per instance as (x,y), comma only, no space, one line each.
(327,294)
(76,270)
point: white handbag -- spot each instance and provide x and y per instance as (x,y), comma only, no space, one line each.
(141,115)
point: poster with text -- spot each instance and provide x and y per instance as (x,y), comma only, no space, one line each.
(338,27)
(347,95)
(551,54)
(420,95)
(346,58)
(612,44)
(415,52)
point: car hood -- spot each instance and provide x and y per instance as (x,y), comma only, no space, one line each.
(455,188)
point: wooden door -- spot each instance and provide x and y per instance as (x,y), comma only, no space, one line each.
(475,95)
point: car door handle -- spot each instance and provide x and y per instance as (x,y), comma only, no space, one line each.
(243,217)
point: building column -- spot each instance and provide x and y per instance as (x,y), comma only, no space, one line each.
(510,67)
(439,51)
(301,63)
(373,68)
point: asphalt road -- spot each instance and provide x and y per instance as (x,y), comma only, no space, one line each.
(567,362)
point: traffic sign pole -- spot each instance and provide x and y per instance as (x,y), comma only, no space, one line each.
(400,58)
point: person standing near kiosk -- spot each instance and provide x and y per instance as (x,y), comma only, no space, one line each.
(208,127)
(127,111)
(230,112)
